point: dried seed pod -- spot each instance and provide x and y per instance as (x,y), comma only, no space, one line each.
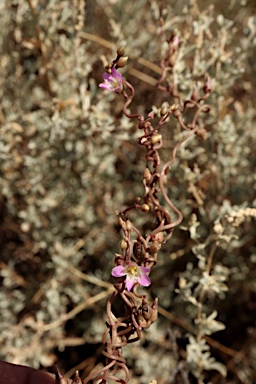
(139,251)
(147,311)
(150,314)
(150,203)
(140,319)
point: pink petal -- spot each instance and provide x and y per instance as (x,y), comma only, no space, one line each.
(129,282)
(145,269)
(106,76)
(117,75)
(144,280)
(102,85)
(118,271)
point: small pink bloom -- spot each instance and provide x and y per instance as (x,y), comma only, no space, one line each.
(175,41)
(113,81)
(134,274)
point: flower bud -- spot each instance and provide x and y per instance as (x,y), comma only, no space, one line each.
(164,110)
(175,110)
(155,138)
(122,223)
(122,62)
(128,226)
(218,228)
(123,244)
(121,51)
(145,208)
(174,107)
(147,174)
(165,179)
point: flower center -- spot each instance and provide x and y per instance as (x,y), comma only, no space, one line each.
(132,270)
(114,84)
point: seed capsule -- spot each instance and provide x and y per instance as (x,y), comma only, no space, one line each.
(138,251)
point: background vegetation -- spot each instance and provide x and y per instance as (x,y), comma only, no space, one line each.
(69,159)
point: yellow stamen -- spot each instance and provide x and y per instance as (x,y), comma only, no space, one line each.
(114,84)
(132,270)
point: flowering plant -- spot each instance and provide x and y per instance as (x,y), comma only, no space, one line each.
(134,274)
(140,251)
(113,81)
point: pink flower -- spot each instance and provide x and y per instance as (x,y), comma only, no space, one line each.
(134,274)
(175,41)
(113,81)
